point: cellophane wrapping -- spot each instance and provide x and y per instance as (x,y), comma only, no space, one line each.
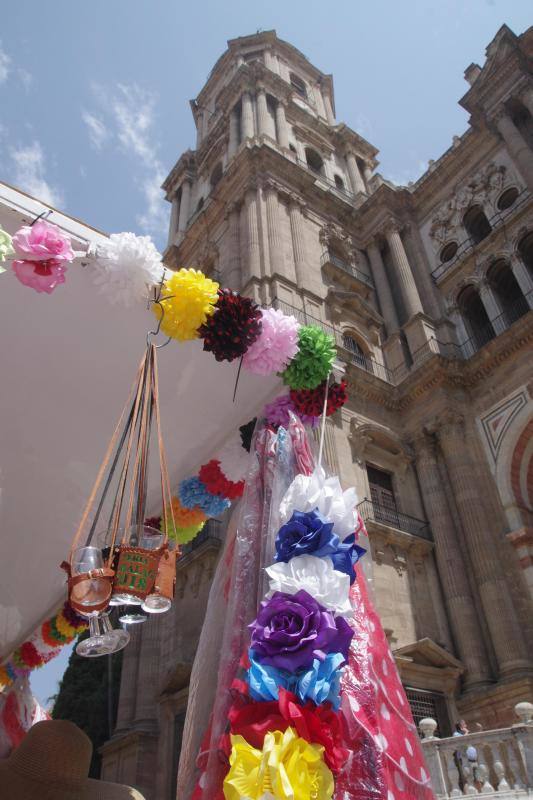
(386,761)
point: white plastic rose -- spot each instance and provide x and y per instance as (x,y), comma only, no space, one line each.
(308,492)
(317,576)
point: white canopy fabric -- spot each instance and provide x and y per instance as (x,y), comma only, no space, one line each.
(67,364)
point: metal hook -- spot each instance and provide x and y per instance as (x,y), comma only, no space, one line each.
(157,330)
(42,215)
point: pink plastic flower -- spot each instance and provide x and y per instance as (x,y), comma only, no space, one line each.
(277,413)
(42,242)
(276,346)
(43,276)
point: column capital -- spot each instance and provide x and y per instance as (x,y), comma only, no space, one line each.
(296,202)
(449,425)
(391,225)
(425,447)
(232,208)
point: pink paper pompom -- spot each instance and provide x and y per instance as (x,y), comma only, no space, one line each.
(278,413)
(42,242)
(43,276)
(276,346)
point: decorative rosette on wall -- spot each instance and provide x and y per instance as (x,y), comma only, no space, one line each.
(285,728)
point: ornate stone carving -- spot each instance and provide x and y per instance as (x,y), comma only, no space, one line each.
(359,441)
(482,188)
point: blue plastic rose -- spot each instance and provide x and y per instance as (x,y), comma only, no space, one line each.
(346,556)
(305,533)
(320,683)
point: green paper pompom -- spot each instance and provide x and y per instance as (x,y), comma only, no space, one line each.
(313,362)
(184,535)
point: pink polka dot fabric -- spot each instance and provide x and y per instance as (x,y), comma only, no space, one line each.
(386,761)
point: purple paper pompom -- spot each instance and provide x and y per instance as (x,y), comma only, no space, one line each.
(277,413)
(276,345)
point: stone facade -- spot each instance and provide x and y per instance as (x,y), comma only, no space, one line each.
(428,289)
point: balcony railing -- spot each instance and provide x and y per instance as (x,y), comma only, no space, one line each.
(330,258)
(346,193)
(365,362)
(496,763)
(469,244)
(375,512)
(495,327)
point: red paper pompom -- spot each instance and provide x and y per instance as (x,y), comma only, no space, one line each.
(29,655)
(216,482)
(234,326)
(311,401)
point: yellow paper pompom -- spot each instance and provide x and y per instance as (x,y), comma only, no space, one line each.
(188,299)
(65,628)
(287,767)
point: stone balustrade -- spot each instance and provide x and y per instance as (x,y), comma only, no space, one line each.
(498,762)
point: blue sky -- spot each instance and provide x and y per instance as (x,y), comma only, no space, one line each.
(94,96)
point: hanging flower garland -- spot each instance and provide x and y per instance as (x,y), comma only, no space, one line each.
(126,267)
(188,298)
(6,248)
(233,328)
(43,645)
(314,360)
(310,402)
(276,346)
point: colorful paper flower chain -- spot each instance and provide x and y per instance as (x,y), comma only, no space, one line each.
(44,645)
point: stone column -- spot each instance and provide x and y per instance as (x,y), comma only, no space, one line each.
(247,118)
(456,441)
(428,292)
(199,128)
(233,276)
(329,109)
(383,289)
(491,306)
(282,130)
(262,111)
(184,206)
(367,175)
(452,570)
(128,682)
(320,107)
(523,278)
(517,146)
(252,237)
(406,282)
(275,246)
(233,143)
(460,328)
(174,217)
(148,677)
(358,184)
(298,242)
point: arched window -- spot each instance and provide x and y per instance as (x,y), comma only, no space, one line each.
(358,354)
(507,198)
(314,160)
(298,85)
(216,175)
(200,204)
(339,183)
(525,248)
(522,119)
(476,223)
(475,317)
(448,252)
(506,288)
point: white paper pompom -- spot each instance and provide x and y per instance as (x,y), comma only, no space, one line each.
(126,267)
(317,576)
(308,492)
(233,459)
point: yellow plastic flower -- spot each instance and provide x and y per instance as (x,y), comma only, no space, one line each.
(287,768)
(191,300)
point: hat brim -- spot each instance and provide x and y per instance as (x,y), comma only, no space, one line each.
(24,787)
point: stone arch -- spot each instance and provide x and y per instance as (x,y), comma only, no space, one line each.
(521,469)
(356,344)
(514,464)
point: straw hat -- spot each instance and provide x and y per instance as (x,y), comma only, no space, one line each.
(52,763)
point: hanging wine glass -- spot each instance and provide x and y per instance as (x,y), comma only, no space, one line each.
(90,596)
(160,599)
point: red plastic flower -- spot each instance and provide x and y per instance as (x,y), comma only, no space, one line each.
(311,401)
(217,483)
(315,724)
(234,326)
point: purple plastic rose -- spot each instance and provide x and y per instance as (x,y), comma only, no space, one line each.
(305,533)
(291,630)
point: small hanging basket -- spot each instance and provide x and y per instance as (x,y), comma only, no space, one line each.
(136,571)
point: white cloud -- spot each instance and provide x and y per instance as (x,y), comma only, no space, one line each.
(25,77)
(29,173)
(98,133)
(411,174)
(5,62)
(132,114)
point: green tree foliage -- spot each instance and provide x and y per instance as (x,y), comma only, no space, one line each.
(84,695)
